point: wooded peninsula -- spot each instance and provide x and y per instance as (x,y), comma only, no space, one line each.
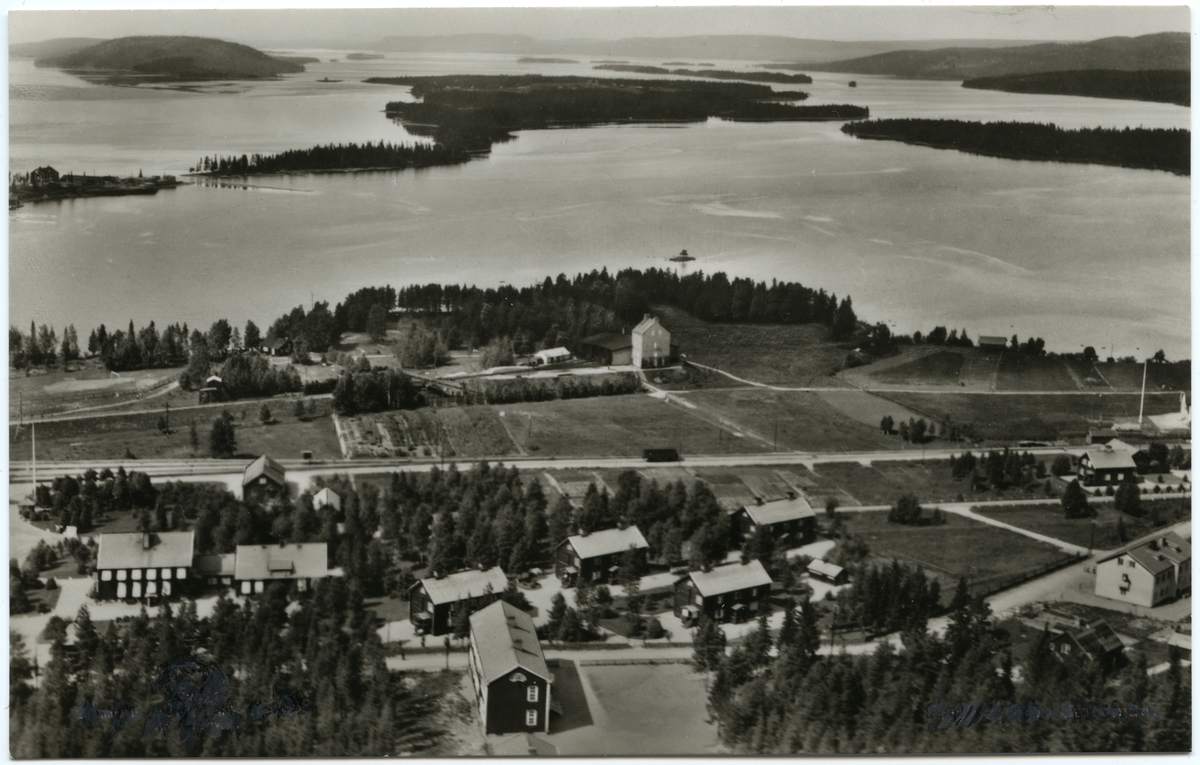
(1168,86)
(715,74)
(1141,148)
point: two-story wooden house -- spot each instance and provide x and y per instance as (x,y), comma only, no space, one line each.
(263,480)
(433,602)
(1093,641)
(598,556)
(791,521)
(139,564)
(731,592)
(1107,464)
(297,565)
(1146,573)
(508,671)
(651,346)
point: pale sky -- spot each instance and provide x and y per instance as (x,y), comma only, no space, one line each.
(271,24)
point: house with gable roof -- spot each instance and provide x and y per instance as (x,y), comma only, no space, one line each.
(731,592)
(263,480)
(1148,572)
(508,671)
(434,601)
(139,564)
(598,556)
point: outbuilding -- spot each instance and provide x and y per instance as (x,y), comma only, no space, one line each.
(828,572)
(790,521)
(731,592)
(552,356)
(609,348)
(298,565)
(140,564)
(216,570)
(263,480)
(508,671)
(992,342)
(435,601)
(329,498)
(597,557)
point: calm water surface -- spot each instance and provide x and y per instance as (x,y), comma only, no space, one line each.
(1074,253)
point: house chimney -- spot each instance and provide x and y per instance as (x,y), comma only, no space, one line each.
(758,500)
(646,316)
(791,494)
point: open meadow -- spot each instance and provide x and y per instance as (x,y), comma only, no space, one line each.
(884,482)
(88,385)
(1050,520)
(989,557)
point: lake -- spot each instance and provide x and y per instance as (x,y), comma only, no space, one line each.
(1076,254)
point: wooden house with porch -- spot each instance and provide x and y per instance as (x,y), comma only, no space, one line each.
(790,521)
(597,557)
(297,565)
(140,564)
(434,602)
(508,670)
(728,593)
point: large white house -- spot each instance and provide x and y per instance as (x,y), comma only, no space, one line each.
(651,344)
(1146,572)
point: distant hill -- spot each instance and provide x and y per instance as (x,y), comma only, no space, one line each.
(1172,86)
(176,59)
(707,48)
(59,46)
(1166,50)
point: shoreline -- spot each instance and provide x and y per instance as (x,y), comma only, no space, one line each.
(24,196)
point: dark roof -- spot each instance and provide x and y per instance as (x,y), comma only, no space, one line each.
(290,561)
(221,564)
(1097,638)
(505,639)
(992,340)
(135,549)
(278,342)
(611,341)
(264,465)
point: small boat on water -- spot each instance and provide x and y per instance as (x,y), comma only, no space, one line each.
(326,79)
(682,257)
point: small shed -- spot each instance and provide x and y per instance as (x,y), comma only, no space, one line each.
(828,572)
(552,356)
(992,342)
(329,498)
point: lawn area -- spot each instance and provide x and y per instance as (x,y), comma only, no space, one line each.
(88,384)
(1019,371)
(989,557)
(805,420)
(614,426)
(1046,417)
(1124,375)
(109,437)
(884,482)
(1049,520)
(940,368)
(779,354)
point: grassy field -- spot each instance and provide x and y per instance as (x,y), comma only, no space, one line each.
(109,437)
(988,556)
(87,385)
(939,368)
(778,354)
(805,421)
(1021,372)
(1049,520)
(884,482)
(1016,417)
(614,426)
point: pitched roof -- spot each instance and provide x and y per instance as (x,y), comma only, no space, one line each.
(523,745)
(327,496)
(1156,553)
(291,561)
(612,341)
(780,511)
(607,542)
(462,585)
(1097,638)
(730,578)
(645,324)
(992,340)
(553,353)
(825,568)
(216,565)
(134,549)
(264,465)
(505,638)
(1114,454)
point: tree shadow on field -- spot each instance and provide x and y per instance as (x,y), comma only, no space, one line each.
(568,693)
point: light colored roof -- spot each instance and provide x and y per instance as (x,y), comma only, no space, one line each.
(607,542)
(780,511)
(523,745)
(462,585)
(645,324)
(167,549)
(1114,454)
(216,565)
(553,353)
(327,496)
(730,578)
(291,561)
(264,465)
(505,638)
(825,568)
(1156,553)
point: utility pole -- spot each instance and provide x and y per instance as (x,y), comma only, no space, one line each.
(1142,405)
(775,446)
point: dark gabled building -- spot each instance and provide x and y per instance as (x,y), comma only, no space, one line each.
(791,521)
(508,671)
(992,343)
(263,480)
(1095,641)
(1107,464)
(216,570)
(297,565)
(433,602)
(280,346)
(598,556)
(610,348)
(731,592)
(43,175)
(144,564)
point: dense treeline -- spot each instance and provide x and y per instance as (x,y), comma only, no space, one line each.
(1169,86)
(718,74)
(374,391)
(471,112)
(313,331)
(41,346)
(334,157)
(522,389)
(962,692)
(1151,149)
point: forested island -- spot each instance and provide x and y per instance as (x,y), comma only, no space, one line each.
(1168,86)
(1140,148)
(46,184)
(333,158)
(545,60)
(363,56)
(714,74)
(173,59)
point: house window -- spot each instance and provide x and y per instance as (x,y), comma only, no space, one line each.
(166,573)
(1120,561)
(1066,648)
(166,588)
(531,717)
(152,574)
(531,694)
(699,599)
(181,573)
(152,588)
(105,576)
(137,590)
(121,590)
(121,576)
(136,574)
(245,588)
(258,586)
